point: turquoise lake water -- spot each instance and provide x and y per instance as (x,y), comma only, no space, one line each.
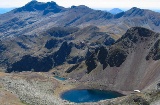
(88,95)
(60,78)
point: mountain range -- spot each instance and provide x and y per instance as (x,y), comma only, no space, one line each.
(134,58)
(115,11)
(4,10)
(36,16)
(26,26)
(107,51)
(119,52)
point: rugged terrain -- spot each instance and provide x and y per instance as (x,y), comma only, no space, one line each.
(31,88)
(39,31)
(134,58)
(131,63)
(91,48)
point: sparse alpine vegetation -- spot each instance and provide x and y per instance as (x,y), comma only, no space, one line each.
(90,48)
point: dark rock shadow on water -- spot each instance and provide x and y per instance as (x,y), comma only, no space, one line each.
(89,95)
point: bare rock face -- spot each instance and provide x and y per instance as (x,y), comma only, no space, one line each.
(99,55)
(39,6)
(45,35)
(134,12)
(52,43)
(2,47)
(30,63)
(61,55)
(102,56)
(154,52)
(109,41)
(124,62)
(116,58)
(113,59)
(53,47)
(69,70)
(91,64)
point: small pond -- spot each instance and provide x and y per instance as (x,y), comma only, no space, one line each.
(88,95)
(60,78)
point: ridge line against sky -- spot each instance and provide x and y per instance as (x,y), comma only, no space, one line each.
(96,4)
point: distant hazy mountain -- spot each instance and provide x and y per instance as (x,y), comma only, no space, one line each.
(81,43)
(4,10)
(37,16)
(26,26)
(115,11)
(157,10)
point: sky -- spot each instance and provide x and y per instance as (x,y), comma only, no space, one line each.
(96,4)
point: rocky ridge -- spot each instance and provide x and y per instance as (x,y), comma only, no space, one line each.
(37,35)
(123,62)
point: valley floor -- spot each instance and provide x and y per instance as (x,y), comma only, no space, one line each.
(36,88)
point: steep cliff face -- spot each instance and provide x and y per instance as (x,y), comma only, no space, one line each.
(54,46)
(113,58)
(45,35)
(44,64)
(29,63)
(154,52)
(123,66)
(131,61)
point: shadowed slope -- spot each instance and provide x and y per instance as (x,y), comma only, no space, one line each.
(123,66)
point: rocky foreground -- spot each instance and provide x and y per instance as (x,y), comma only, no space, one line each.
(29,88)
(32,88)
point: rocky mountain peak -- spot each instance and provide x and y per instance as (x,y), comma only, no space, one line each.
(115,11)
(32,2)
(143,32)
(134,12)
(134,35)
(80,7)
(40,6)
(135,8)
